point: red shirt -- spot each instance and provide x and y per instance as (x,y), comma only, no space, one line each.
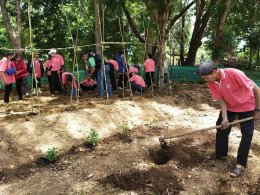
(235,88)
(149,65)
(138,80)
(21,69)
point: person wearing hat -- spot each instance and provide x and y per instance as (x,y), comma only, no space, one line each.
(56,68)
(20,73)
(7,76)
(35,67)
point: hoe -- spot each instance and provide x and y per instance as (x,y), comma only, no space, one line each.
(162,139)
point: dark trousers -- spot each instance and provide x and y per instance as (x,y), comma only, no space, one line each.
(84,88)
(112,77)
(38,82)
(122,77)
(49,81)
(19,83)
(55,82)
(8,89)
(149,78)
(136,87)
(247,129)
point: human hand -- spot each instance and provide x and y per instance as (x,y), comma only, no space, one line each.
(257,114)
(224,124)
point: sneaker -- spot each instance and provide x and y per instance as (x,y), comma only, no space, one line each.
(119,88)
(34,92)
(27,95)
(52,95)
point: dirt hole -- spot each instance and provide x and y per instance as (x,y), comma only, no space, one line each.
(160,156)
(153,180)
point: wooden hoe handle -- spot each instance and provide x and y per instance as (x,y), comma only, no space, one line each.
(207,128)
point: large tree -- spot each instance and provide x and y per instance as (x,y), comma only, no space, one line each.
(222,15)
(203,14)
(14,31)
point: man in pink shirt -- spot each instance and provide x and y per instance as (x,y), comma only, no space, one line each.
(238,96)
(47,66)
(6,76)
(57,67)
(149,66)
(137,83)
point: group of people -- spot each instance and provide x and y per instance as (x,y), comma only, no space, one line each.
(237,94)
(14,69)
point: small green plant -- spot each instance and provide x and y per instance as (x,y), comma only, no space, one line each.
(92,138)
(52,154)
(150,123)
(125,129)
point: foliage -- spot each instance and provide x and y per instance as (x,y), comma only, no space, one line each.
(52,154)
(125,130)
(93,137)
(150,123)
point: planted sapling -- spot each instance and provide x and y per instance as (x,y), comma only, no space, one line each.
(93,137)
(52,154)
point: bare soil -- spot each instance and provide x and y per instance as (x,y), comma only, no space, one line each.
(128,158)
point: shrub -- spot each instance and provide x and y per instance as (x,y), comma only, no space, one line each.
(92,138)
(52,154)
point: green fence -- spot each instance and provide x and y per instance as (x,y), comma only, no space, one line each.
(176,73)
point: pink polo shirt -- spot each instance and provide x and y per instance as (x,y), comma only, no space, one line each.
(88,83)
(138,80)
(149,65)
(47,64)
(56,61)
(4,65)
(235,88)
(132,69)
(65,81)
(37,68)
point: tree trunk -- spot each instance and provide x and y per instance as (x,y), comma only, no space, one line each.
(149,41)
(199,28)
(15,37)
(182,39)
(216,53)
(98,35)
(252,42)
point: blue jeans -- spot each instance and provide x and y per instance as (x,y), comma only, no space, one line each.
(247,129)
(101,81)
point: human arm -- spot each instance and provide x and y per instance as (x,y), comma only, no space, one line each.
(256,91)
(223,106)
(4,80)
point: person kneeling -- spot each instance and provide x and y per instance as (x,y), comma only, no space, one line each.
(137,83)
(88,84)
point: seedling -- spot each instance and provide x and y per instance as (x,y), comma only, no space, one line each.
(52,154)
(125,129)
(150,123)
(92,138)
